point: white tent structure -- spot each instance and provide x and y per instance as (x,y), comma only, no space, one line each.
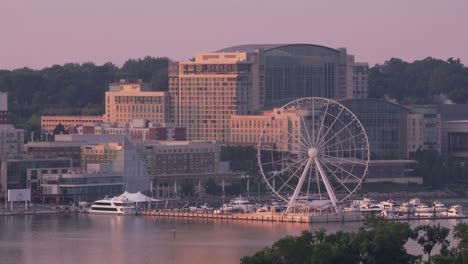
(137,197)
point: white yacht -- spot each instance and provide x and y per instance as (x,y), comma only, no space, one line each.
(439,207)
(388,205)
(273,207)
(424,211)
(390,214)
(240,204)
(113,206)
(352,208)
(455,211)
(203,207)
(370,208)
(365,201)
(414,202)
(407,208)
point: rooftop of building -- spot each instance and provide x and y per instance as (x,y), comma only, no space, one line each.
(10,128)
(54,144)
(267,47)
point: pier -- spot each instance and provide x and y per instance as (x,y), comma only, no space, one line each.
(259,217)
(278,217)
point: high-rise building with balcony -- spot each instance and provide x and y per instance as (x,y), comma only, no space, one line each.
(127,101)
(205,92)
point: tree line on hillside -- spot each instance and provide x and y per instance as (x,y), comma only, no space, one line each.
(379,241)
(425,81)
(72,89)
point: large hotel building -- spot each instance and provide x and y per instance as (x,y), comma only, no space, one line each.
(207,91)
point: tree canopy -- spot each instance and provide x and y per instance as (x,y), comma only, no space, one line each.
(420,82)
(73,89)
(378,241)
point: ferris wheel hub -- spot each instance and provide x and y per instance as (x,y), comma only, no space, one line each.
(313,152)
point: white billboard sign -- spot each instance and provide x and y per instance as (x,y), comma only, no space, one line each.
(19,195)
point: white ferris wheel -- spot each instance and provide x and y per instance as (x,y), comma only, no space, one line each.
(313,147)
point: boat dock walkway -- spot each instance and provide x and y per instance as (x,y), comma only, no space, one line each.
(277,217)
(260,217)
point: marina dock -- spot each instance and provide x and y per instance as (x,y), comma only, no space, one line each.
(276,217)
(259,217)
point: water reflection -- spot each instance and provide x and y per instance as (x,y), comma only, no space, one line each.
(77,238)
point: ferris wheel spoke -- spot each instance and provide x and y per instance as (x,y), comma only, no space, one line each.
(292,176)
(318,183)
(304,146)
(340,168)
(336,149)
(329,127)
(343,159)
(305,128)
(304,142)
(313,121)
(351,150)
(344,140)
(278,162)
(337,178)
(337,133)
(308,181)
(289,167)
(321,126)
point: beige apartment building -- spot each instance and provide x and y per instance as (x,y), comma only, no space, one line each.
(127,101)
(415,133)
(207,91)
(48,123)
(282,134)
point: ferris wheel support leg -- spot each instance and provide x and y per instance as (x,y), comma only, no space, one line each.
(293,199)
(328,187)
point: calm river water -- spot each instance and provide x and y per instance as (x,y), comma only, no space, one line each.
(81,238)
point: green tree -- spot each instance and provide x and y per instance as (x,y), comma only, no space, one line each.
(379,241)
(211,187)
(60,129)
(188,188)
(383,241)
(429,236)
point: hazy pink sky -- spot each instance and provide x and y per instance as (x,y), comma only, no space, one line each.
(38,33)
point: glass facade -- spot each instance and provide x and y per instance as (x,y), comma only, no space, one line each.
(385,124)
(16,170)
(86,187)
(299,70)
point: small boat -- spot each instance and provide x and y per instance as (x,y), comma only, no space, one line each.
(113,206)
(203,207)
(455,211)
